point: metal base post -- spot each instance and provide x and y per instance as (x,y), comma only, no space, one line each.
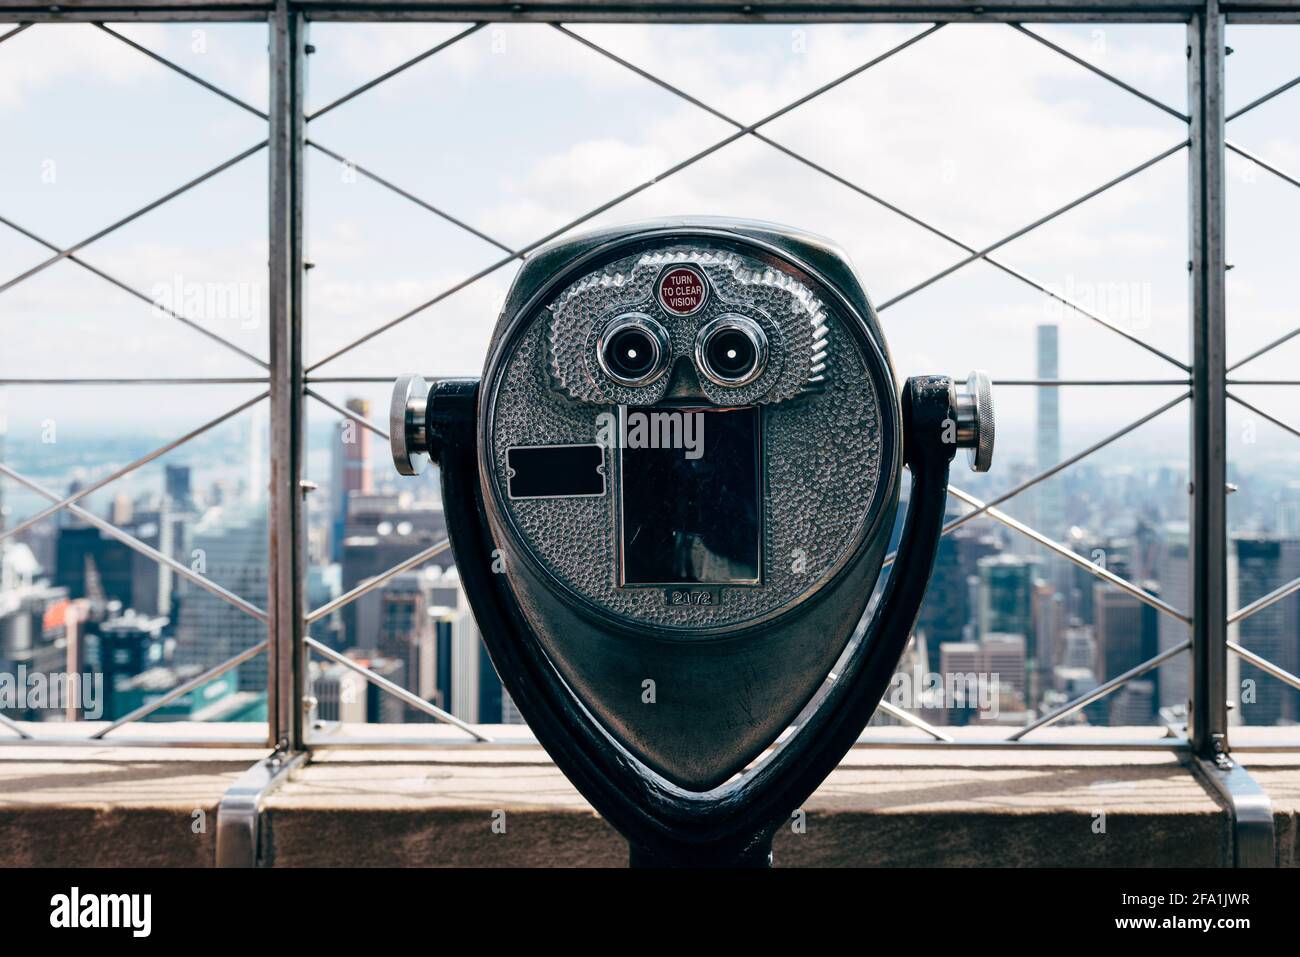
(1254,841)
(239,815)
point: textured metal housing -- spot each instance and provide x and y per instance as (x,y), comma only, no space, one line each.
(821,449)
(726,679)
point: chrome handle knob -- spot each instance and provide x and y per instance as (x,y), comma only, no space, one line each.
(975,428)
(408,431)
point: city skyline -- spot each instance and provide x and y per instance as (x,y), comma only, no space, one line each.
(1053,637)
(1000,146)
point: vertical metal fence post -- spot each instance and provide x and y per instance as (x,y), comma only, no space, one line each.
(1208,716)
(287,662)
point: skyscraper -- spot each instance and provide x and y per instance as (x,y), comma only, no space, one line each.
(178,487)
(1175,583)
(1265,563)
(1173,682)
(350,470)
(947,606)
(1006,588)
(1126,631)
(405,632)
(960,662)
(1004,656)
(229,547)
(91,564)
(1049,625)
(379,531)
(129,644)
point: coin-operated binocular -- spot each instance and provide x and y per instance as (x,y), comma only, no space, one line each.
(669,499)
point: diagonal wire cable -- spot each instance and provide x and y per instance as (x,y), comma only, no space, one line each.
(130,541)
(1127,88)
(1264,601)
(1072,556)
(1262,163)
(65,253)
(206,85)
(153,704)
(920,723)
(221,340)
(413,198)
(1065,463)
(14,32)
(4,719)
(1263,664)
(1284,426)
(1267,347)
(996,263)
(363,422)
(1060,466)
(627,194)
(370,584)
(1275,596)
(8,722)
(645,74)
(129,468)
(1294,181)
(450,291)
(393,688)
(875,198)
(1042,220)
(210,87)
(400,68)
(1103,689)
(1260,101)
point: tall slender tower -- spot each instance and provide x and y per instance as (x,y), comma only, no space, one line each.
(351,470)
(1049,514)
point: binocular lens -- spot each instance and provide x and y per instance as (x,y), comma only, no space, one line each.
(633,350)
(731,353)
(731,350)
(631,353)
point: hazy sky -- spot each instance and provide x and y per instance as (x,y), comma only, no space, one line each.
(517,130)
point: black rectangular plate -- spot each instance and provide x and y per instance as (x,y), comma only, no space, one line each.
(695,521)
(555,471)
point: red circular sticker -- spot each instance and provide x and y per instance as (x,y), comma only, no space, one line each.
(681,290)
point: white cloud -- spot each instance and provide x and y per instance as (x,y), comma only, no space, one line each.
(84,54)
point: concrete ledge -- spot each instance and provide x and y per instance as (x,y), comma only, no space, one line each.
(110,807)
(447,806)
(880,808)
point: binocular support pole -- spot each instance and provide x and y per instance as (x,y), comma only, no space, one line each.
(664,826)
